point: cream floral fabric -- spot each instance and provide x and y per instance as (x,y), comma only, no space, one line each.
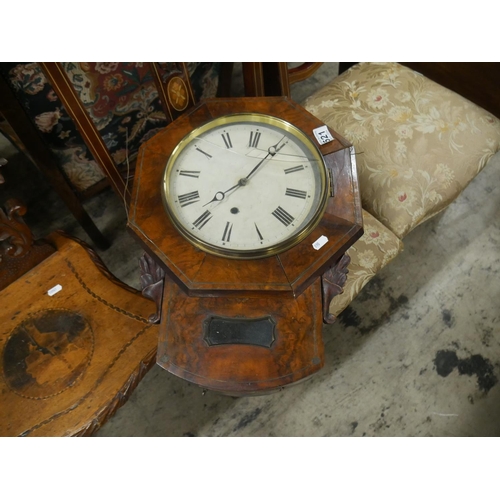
(418,144)
(376,248)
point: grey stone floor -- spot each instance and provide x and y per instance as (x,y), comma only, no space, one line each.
(416,354)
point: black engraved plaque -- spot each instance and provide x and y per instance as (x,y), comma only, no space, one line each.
(258,332)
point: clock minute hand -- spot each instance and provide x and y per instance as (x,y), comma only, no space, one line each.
(272,150)
(220,195)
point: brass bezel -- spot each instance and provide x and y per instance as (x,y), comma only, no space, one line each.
(268,251)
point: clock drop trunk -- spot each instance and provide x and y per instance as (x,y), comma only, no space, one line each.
(241,346)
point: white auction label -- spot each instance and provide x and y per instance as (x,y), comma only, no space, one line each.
(323,135)
(54,290)
(320,242)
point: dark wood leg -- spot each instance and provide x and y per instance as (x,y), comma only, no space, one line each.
(152,282)
(333,282)
(266,79)
(225,79)
(253,79)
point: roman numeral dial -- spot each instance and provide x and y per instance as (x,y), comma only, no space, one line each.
(227,140)
(190,173)
(296,193)
(207,155)
(259,234)
(283,216)
(292,170)
(254,139)
(245,186)
(202,219)
(226,236)
(188,198)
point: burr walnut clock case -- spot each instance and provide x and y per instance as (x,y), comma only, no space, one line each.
(245,217)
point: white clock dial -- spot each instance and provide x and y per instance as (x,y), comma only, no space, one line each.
(245,186)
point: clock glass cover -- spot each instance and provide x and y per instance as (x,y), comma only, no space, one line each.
(245,186)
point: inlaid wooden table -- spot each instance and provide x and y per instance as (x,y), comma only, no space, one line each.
(241,310)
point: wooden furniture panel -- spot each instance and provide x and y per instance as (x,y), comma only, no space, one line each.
(71,359)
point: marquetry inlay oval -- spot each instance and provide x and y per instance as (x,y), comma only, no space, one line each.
(177,93)
(47,353)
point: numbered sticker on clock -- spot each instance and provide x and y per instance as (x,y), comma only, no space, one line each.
(323,135)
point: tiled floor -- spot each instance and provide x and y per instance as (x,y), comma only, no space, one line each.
(416,354)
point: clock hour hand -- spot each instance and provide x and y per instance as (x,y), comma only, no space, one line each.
(220,195)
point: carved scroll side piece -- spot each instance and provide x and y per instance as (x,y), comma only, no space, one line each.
(19,252)
(333,282)
(14,231)
(3,162)
(152,276)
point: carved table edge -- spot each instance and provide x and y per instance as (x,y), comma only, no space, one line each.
(96,259)
(120,399)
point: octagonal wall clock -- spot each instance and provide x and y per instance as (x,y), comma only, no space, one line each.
(244,204)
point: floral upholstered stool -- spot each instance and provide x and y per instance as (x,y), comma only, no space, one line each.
(418,146)
(373,251)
